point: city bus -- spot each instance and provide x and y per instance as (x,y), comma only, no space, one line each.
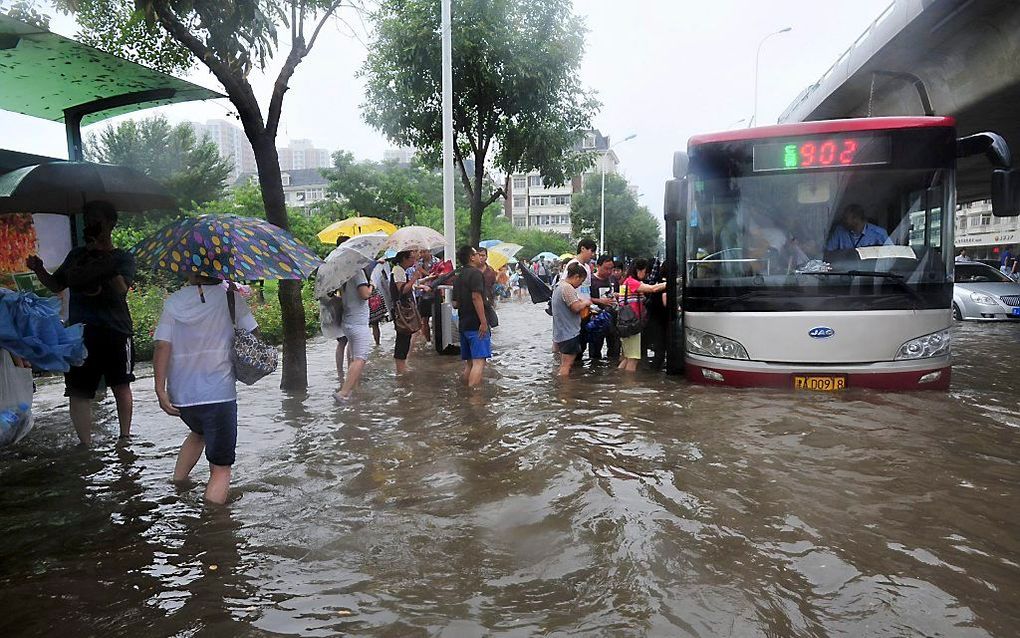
(819,255)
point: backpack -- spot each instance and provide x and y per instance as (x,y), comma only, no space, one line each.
(331,315)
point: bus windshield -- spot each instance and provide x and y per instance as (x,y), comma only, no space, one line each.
(861,238)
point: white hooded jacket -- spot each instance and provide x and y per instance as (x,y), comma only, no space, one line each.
(201,339)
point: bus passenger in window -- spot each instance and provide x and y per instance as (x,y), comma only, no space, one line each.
(854,231)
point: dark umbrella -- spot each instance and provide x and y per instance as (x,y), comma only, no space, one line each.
(539,290)
(65,187)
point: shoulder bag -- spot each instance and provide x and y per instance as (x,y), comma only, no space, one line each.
(630,322)
(252,357)
(406,319)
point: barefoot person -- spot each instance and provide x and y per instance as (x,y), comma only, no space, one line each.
(402,280)
(194,376)
(473,322)
(98,276)
(566,309)
(354,297)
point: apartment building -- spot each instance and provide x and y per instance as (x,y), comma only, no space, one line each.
(231,142)
(984,235)
(532,204)
(302,154)
(301,187)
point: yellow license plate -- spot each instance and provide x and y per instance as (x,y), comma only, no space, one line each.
(819,383)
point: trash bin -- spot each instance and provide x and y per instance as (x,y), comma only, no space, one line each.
(444,323)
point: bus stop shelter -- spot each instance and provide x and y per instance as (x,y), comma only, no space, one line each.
(54,78)
(48,76)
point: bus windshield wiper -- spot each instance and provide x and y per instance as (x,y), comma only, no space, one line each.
(883,274)
(854,273)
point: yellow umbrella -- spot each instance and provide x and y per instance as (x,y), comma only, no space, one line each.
(500,254)
(497,260)
(354,226)
(566,257)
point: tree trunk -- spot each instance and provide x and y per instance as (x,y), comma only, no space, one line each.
(295,371)
(477,208)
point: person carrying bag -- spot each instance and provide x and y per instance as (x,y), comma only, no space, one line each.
(406,320)
(632,316)
(252,357)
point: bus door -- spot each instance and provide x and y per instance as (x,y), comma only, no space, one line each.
(675,215)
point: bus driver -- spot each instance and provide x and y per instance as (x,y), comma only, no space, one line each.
(854,231)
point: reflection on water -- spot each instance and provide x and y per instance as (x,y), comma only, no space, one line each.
(599,506)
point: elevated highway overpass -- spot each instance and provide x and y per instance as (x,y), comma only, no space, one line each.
(965,52)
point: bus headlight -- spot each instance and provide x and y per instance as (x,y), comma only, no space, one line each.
(710,345)
(983,299)
(934,345)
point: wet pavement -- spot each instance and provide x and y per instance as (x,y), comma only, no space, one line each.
(598,507)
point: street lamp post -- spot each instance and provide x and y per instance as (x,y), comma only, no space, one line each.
(449,219)
(602,223)
(754,116)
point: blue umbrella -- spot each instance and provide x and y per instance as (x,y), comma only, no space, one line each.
(545,256)
(489,243)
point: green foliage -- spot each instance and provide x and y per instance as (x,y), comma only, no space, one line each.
(266,309)
(518,101)
(115,26)
(246,201)
(145,304)
(190,168)
(385,190)
(631,231)
(26,11)
(496,226)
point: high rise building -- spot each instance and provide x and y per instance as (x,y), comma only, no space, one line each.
(301,154)
(232,144)
(402,156)
(530,204)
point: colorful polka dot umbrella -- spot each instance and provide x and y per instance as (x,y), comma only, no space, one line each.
(227,247)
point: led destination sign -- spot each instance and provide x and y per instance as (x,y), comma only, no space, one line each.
(828,151)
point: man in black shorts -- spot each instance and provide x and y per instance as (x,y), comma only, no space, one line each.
(98,276)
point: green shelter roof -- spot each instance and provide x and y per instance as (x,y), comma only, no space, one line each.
(42,74)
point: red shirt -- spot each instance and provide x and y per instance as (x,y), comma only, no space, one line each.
(632,286)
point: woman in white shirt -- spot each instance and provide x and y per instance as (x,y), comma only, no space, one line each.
(195,378)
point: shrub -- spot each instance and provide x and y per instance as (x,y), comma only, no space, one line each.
(146,304)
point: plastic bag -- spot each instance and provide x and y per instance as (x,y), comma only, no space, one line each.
(15,400)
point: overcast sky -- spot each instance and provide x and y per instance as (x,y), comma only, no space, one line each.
(663,69)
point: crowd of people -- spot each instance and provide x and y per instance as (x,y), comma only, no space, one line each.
(193,361)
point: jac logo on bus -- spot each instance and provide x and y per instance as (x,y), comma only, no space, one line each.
(821,332)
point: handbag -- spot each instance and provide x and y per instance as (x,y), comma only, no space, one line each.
(630,322)
(406,319)
(252,357)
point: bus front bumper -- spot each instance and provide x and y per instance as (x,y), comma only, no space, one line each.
(921,374)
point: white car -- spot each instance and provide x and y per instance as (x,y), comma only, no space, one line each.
(982,293)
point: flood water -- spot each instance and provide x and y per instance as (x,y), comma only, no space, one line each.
(598,507)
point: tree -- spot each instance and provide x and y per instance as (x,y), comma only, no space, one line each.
(231,39)
(387,190)
(631,231)
(517,100)
(26,11)
(191,169)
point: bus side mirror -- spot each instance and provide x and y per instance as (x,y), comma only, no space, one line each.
(680,163)
(1005,192)
(676,199)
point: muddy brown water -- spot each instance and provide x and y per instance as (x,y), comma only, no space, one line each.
(600,507)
